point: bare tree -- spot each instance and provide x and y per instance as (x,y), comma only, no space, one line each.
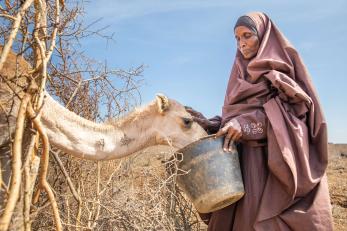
(78,194)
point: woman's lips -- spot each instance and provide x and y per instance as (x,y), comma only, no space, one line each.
(246,51)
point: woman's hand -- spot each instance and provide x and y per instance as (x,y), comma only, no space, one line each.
(202,120)
(194,113)
(233,132)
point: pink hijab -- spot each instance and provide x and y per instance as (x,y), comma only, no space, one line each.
(296,131)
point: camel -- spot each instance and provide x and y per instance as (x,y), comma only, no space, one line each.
(162,121)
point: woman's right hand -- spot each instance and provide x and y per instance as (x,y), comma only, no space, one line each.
(232,132)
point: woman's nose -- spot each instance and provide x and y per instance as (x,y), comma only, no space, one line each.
(242,43)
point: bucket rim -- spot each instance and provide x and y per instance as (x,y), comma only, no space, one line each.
(197,141)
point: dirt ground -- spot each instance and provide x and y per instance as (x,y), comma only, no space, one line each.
(337,178)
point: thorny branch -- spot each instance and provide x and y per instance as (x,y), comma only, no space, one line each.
(82,195)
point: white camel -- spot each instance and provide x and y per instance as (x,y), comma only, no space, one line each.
(160,122)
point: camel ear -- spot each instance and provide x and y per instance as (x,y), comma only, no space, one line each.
(162,102)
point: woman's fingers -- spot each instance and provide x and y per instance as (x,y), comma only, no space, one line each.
(227,141)
(221,132)
(194,113)
(204,123)
(233,133)
(236,137)
(231,136)
(196,119)
(231,147)
(190,110)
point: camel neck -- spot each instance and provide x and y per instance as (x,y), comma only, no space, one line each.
(96,141)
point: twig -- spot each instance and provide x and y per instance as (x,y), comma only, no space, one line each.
(67,204)
(110,178)
(73,94)
(54,34)
(40,23)
(66,174)
(96,216)
(79,210)
(8,16)
(76,226)
(39,209)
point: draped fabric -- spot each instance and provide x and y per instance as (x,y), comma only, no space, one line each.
(284,148)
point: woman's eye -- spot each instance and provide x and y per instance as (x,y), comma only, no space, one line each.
(247,35)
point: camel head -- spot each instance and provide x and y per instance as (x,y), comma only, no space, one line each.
(176,125)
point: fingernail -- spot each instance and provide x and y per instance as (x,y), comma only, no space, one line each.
(224,149)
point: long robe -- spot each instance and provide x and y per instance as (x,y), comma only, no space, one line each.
(283,153)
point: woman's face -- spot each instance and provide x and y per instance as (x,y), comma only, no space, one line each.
(247,42)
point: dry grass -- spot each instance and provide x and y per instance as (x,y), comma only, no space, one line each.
(142,195)
(135,193)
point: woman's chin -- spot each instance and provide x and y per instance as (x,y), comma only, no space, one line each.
(248,56)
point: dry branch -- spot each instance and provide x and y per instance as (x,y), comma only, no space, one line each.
(44,166)
(30,173)
(16,165)
(123,195)
(66,174)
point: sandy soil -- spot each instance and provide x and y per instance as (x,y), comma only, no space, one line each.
(337,178)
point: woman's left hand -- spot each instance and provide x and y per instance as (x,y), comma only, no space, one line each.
(233,132)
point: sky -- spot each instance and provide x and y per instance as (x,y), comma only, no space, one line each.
(188,47)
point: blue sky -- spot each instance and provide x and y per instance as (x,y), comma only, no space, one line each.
(188,47)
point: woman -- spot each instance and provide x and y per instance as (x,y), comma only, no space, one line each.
(271,108)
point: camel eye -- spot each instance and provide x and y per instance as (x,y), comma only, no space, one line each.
(187,122)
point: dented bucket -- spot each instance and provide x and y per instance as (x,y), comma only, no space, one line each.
(210,177)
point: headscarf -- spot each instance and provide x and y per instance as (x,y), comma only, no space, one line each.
(247,22)
(296,131)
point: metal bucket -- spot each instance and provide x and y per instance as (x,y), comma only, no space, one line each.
(212,178)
